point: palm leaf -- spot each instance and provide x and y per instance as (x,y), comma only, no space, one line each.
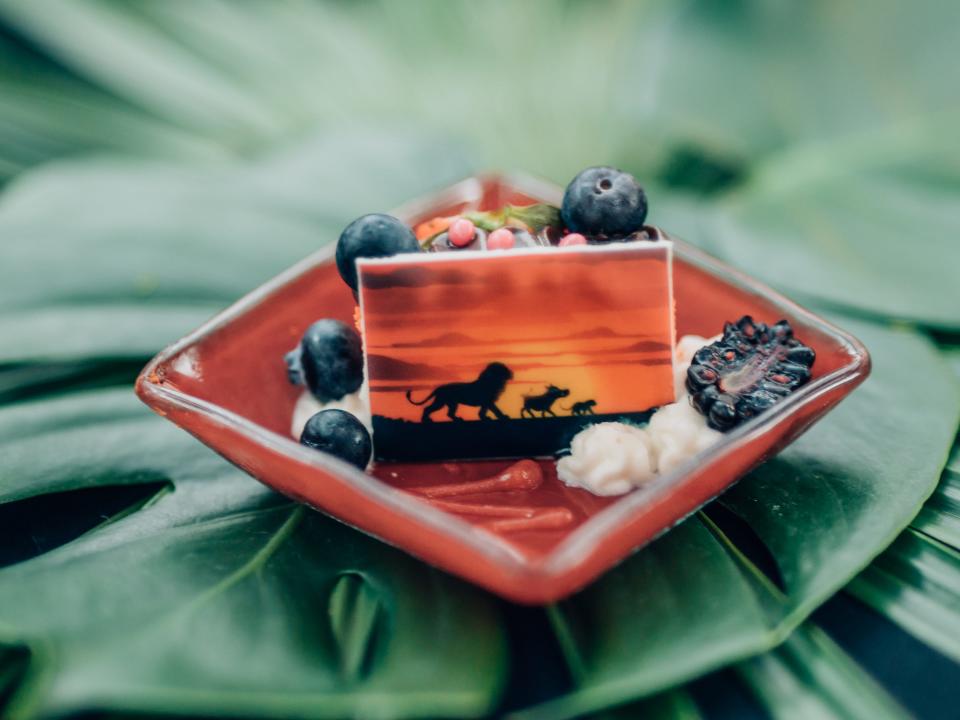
(916,583)
(940,516)
(810,677)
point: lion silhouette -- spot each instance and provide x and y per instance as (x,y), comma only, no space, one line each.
(482,393)
(584,407)
(542,403)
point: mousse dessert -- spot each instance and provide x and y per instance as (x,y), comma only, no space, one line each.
(530,331)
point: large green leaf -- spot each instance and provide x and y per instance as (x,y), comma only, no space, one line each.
(824,508)
(113,259)
(221,596)
(102,438)
(802,71)
(147,66)
(852,169)
(244,75)
(831,175)
(845,140)
(808,676)
(25,380)
(868,224)
(49,113)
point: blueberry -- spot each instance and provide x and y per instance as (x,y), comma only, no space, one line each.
(331,360)
(372,236)
(747,371)
(604,201)
(339,433)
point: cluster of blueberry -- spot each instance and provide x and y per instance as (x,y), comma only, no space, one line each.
(329,361)
(329,357)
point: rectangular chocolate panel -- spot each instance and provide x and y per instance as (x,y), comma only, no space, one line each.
(510,353)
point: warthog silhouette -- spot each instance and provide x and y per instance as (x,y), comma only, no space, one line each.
(542,403)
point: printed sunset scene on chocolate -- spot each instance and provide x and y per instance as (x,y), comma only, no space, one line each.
(576,333)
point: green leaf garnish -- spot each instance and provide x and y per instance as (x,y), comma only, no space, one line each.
(535,217)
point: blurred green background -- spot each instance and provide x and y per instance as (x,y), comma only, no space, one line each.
(160,159)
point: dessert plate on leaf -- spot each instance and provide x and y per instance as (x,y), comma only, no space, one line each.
(221,383)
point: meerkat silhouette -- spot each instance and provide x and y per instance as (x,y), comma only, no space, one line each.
(583,407)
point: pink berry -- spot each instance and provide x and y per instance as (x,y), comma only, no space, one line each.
(572,239)
(461,232)
(501,239)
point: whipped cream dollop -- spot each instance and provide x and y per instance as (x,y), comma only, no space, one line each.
(307,406)
(609,458)
(613,458)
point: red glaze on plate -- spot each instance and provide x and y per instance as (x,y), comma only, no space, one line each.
(226,384)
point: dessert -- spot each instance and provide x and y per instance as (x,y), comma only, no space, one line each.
(227,384)
(530,331)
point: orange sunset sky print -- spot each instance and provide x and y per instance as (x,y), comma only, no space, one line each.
(595,321)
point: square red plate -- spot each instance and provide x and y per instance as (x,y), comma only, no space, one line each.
(226,383)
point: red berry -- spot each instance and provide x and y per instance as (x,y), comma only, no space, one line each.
(461,232)
(501,239)
(572,239)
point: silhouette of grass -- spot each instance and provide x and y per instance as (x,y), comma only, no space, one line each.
(395,439)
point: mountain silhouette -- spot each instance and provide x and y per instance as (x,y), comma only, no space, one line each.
(387,368)
(457,339)
(645,346)
(598,332)
(451,338)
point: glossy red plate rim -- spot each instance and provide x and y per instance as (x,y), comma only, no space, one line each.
(570,551)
